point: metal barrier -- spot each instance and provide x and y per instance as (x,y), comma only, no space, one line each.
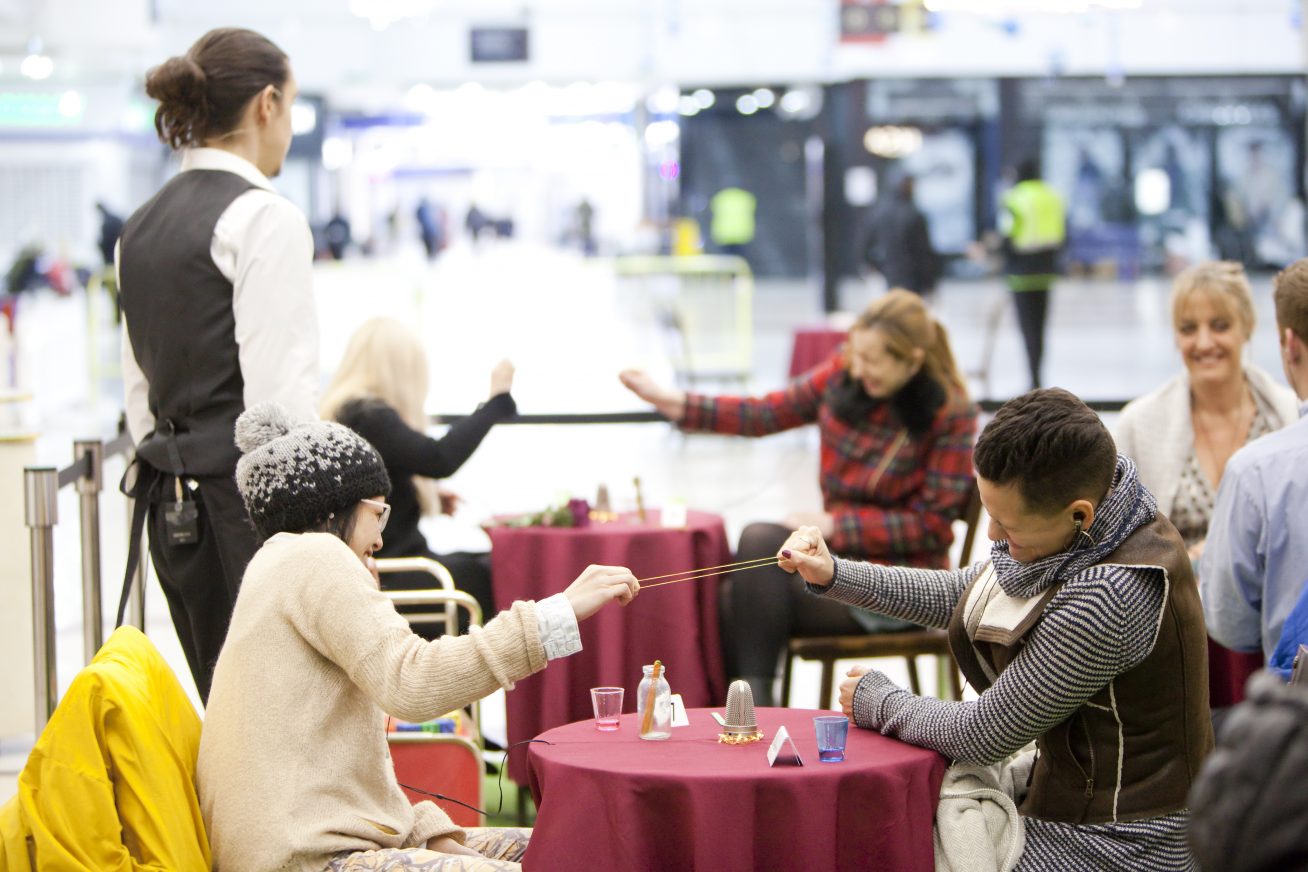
(988,406)
(41,486)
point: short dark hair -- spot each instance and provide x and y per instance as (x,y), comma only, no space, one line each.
(1052,446)
(1290,295)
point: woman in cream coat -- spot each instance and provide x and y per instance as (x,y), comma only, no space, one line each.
(1182,434)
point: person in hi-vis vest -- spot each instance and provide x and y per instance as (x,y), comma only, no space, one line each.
(1033,224)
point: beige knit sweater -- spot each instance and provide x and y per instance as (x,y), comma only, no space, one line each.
(294,765)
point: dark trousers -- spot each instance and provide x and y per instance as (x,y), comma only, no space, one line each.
(761,609)
(1032,310)
(200,580)
(472,574)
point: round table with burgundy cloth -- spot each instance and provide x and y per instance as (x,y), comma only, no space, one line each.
(616,801)
(677,623)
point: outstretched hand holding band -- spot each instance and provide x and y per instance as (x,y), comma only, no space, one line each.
(805,552)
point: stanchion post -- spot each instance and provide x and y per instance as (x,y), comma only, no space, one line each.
(89,487)
(135,616)
(41,507)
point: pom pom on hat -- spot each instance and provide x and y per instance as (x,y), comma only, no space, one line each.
(260,425)
(293,477)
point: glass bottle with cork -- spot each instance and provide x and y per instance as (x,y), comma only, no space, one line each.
(654,703)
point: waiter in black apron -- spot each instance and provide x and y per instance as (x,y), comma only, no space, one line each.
(215,278)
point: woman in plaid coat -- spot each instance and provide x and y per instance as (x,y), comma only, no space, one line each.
(897,429)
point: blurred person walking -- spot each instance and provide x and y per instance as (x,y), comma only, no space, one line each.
(1034,227)
(430,227)
(585,226)
(338,235)
(732,226)
(899,245)
(111,227)
(215,279)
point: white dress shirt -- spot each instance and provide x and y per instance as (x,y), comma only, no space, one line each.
(262,245)
(1255,562)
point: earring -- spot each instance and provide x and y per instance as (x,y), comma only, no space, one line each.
(1081,539)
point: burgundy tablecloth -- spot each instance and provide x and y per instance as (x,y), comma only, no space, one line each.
(615,801)
(812,346)
(1227,673)
(677,624)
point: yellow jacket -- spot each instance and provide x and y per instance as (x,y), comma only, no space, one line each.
(110,784)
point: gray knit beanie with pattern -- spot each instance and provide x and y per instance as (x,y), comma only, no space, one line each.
(295,476)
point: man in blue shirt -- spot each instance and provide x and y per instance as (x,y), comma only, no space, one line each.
(1255,563)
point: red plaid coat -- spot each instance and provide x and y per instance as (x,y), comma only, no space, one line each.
(906,518)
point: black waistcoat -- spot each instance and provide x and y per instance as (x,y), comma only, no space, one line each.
(181,324)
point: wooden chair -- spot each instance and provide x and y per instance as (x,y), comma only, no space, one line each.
(909,644)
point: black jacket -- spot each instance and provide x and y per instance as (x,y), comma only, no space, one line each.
(899,246)
(1249,807)
(407,453)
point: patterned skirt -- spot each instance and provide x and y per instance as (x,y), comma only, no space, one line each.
(501,850)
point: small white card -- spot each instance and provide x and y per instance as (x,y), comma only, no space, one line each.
(777,754)
(679,718)
(673,514)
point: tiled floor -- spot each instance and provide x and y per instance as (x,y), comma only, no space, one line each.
(570,326)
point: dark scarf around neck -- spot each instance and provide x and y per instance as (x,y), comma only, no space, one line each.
(916,403)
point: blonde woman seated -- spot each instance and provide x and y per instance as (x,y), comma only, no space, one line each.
(1182,434)
(379,392)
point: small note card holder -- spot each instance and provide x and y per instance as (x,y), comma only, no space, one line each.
(783,751)
(679,718)
(674,514)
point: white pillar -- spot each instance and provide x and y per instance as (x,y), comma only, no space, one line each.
(16,633)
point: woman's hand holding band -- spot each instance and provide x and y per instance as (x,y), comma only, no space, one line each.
(805,552)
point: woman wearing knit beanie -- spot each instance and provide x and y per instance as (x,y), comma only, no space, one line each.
(294,769)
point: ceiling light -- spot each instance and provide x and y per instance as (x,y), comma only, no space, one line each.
(36,66)
(663,101)
(892,142)
(71,104)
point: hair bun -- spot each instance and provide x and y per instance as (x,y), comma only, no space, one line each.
(178,79)
(180,86)
(261,424)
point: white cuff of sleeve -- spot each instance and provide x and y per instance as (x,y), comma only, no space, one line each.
(558,627)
